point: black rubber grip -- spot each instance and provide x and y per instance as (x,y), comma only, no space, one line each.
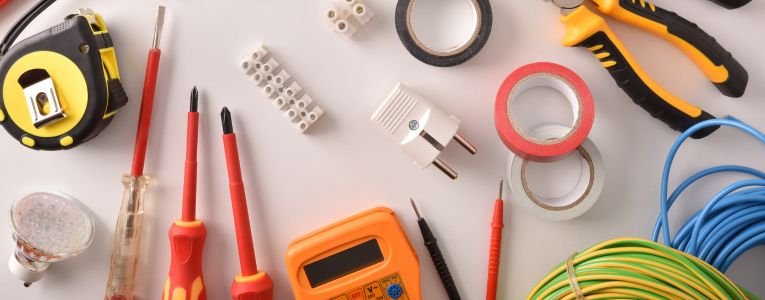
(438,260)
(738,77)
(732,4)
(443,270)
(625,76)
(117,96)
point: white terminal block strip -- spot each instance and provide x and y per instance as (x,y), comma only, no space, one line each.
(281,89)
(346,16)
(421,129)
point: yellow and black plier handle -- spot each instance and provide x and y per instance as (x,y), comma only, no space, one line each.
(584,28)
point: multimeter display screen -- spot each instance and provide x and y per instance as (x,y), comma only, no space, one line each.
(343,263)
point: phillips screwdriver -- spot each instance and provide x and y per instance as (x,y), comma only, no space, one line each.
(127,234)
(250,284)
(435,254)
(187,235)
(495,247)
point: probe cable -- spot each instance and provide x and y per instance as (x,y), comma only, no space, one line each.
(22,24)
(628,268)
(731,223)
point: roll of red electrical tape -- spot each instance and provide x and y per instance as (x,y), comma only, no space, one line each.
(544,74)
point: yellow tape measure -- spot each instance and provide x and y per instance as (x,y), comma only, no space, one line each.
(61,87)
(367,256)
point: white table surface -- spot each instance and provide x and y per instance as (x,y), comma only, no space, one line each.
(297,183)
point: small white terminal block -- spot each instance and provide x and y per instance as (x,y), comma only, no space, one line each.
(419,128)
(346,16)
(281,89)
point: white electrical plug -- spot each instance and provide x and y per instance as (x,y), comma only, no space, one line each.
(421,129)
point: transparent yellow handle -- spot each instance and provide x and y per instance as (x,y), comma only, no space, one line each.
(127,240)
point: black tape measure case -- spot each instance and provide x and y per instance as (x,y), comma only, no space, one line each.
(61,87)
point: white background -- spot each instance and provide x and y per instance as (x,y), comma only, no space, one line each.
(297,183)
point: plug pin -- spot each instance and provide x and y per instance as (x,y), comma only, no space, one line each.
(465,144)
(445,168)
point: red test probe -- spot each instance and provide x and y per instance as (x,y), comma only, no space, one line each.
(495,248)
(250,284)
(187,235)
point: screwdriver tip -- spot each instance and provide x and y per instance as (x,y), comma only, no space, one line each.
(501,186)
(158,27)
(225,117)
(194,100)
(416,211)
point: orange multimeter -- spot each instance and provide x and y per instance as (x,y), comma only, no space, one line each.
(367,256)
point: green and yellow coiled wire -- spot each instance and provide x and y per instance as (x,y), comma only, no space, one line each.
(627,268)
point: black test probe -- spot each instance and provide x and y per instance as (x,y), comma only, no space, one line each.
(436,256)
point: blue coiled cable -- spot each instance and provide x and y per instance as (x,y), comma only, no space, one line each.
(732,222)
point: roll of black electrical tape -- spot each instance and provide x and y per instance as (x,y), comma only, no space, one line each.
(446,58)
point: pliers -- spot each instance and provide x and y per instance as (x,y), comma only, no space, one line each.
(585,28)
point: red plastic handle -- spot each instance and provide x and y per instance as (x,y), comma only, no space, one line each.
(255,287)
(495,249)
(187,241)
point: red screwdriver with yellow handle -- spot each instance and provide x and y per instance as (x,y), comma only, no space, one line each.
(187,235)
(250,283)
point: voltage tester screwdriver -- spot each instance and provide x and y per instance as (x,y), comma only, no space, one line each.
(250,284)
(435,254)
(187,235)
(127,234)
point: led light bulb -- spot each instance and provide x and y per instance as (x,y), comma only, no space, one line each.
(47,227)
